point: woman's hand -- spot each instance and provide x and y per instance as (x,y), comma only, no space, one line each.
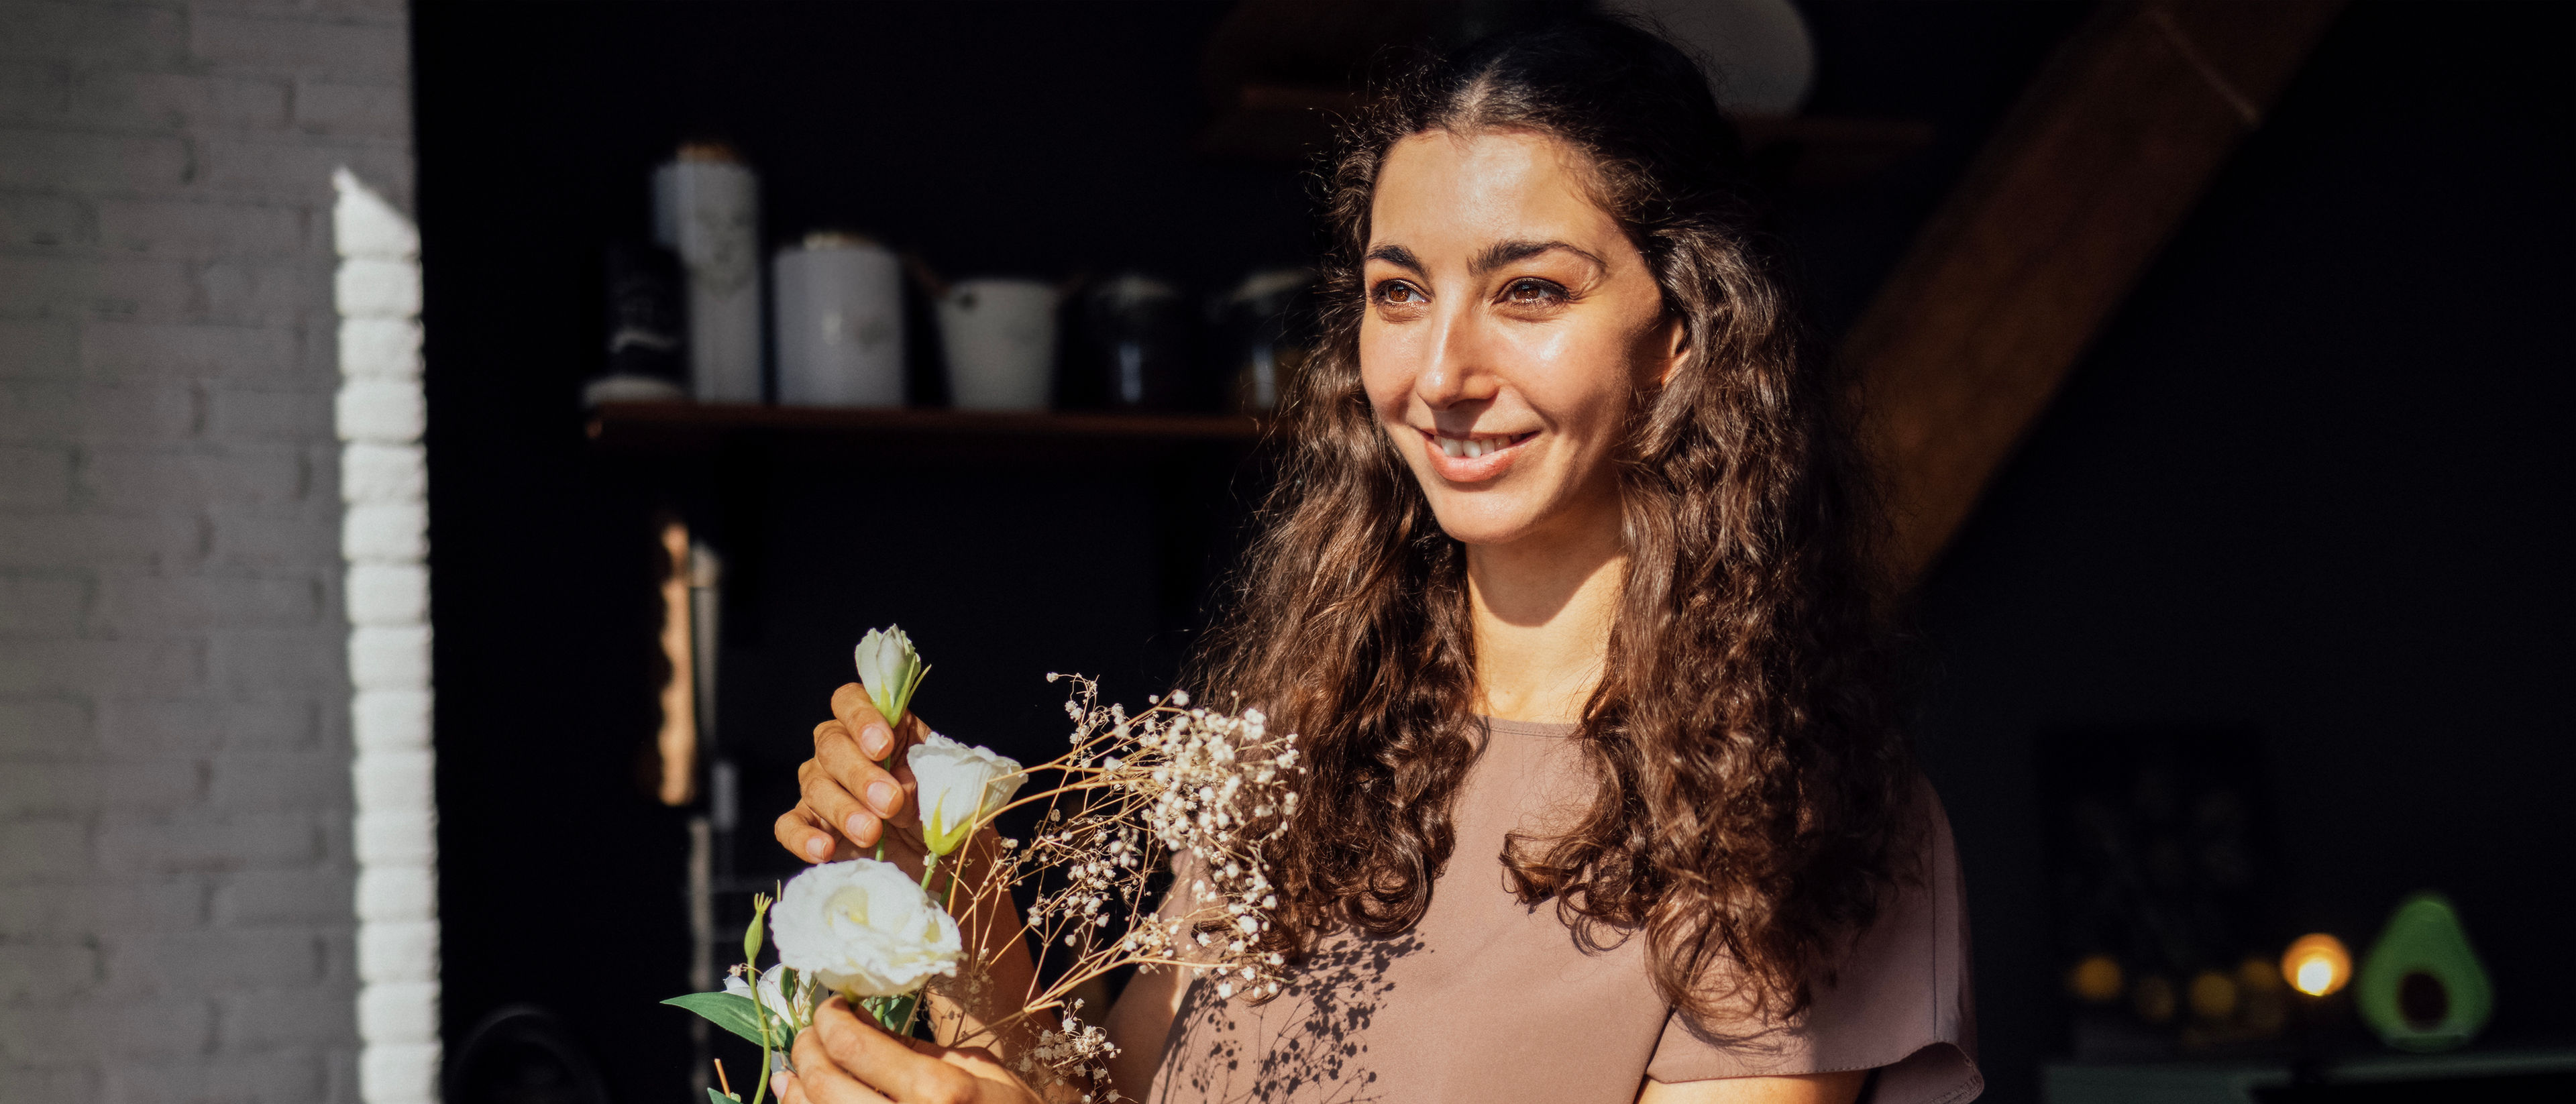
(844,1059)
(847,800)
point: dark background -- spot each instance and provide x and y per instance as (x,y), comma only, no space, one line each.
(2313,484)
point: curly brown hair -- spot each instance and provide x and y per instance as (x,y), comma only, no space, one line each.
(1751,777)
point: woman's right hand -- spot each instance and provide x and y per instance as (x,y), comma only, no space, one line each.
(843,1059)
(847,800)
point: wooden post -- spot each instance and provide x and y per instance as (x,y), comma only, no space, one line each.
(2056,220)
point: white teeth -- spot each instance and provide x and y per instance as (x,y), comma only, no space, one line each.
(1471,447)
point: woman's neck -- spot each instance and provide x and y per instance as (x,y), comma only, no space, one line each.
(1541,610)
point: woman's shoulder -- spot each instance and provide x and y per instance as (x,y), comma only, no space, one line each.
(1898,999)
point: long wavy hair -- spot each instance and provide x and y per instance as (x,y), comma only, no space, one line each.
(1751,777)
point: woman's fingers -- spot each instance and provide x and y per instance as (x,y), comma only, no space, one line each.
(801,838)
(852,706)
(848,794)
(818,1081)
(887,1064)
(818,827)
(851,793)
(834,806)
(880,791)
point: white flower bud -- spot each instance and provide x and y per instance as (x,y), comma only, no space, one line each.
(890,669)
(960,785)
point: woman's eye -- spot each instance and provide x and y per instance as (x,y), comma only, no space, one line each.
(1399,293)
(1532,291)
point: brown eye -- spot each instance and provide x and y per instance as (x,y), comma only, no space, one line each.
(1533,292)
(1398,293)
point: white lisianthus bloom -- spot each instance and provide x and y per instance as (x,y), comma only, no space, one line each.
(775,995)
(863,928)
(890,669)
(960,785)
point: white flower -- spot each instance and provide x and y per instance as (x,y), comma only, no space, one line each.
(793,1005)
(770,980)
(862,928)
(890,669)
(959,786)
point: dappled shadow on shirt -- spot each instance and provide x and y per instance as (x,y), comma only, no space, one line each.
(1316,1031)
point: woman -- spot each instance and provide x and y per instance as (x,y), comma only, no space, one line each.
(1565,590)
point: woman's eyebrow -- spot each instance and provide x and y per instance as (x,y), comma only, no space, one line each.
(1396,255)
(1505,252)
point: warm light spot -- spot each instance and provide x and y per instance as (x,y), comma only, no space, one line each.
(2096,979)
(2257,976)
(2213,995)
(2316,964)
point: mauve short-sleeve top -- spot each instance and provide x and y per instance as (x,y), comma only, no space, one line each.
(1490,1000)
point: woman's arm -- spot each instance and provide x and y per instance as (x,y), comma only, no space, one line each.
(1139,1023)
(1810,1088)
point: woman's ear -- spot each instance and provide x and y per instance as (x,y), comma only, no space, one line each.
(1675,345)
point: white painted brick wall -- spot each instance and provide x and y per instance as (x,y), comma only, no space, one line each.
(179,896)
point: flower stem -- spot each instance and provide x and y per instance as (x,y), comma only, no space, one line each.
(882,826)
(760,1012)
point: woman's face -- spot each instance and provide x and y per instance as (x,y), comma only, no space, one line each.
(1508,323)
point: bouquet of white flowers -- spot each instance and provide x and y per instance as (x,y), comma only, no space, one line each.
(1131,795)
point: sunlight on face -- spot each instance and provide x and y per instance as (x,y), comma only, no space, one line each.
(1509,322)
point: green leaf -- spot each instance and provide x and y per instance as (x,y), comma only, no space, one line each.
(714,1097)
(895,1015)
(729,1011)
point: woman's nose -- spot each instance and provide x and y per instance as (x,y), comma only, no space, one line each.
(1455,372)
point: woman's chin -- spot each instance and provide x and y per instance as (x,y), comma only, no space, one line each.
(1485,527)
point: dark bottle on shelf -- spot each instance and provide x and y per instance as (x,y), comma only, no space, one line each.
(1263,332)
(1134,340)
(644,329)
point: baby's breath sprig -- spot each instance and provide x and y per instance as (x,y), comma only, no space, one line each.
(1193,789)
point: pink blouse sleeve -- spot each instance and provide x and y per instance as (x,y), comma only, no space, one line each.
(1899,1004)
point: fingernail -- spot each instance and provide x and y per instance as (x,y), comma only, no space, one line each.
(876,741)
(817,847)
(883,795)
(858,825)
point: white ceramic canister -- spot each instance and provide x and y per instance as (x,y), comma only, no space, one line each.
(1000,339)
(840,322)
(706,208)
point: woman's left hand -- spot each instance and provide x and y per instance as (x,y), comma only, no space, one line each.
(845,1059)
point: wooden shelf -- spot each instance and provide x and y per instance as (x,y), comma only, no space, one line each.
(682,427)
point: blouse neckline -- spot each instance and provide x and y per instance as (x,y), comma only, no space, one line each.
(1528,728)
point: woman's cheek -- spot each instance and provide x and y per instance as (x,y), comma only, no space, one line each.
(1382,378)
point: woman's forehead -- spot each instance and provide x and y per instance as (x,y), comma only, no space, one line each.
(1441,191)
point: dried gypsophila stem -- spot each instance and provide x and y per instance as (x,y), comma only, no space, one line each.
(1133,793)
(1074,1052)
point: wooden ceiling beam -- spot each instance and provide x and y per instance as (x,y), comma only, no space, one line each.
(2058,217)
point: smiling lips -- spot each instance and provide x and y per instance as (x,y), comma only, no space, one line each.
(1473,459)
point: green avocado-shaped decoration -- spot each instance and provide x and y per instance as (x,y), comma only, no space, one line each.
(2421,987)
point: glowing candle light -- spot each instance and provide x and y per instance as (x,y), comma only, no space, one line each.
(2316,964)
